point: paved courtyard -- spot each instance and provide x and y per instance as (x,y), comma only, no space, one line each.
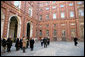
(54,49)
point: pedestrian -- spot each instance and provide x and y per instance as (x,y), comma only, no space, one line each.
(24,41)
(41,41)
(45,42)
(48,40)
(31,44)
(27,43)
(21,43)
(17,44)
(4,44)
(9,44)
(75,41)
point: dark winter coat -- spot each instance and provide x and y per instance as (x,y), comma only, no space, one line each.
(31,43)
(4,43)
(9,43)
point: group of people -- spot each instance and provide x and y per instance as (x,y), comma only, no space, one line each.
(25,42)
(19,44)
(45,41)
(6,43)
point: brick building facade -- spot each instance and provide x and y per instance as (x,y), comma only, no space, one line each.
(59,20)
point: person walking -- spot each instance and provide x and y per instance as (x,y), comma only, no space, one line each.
(31,44)
(4,44)
(9,44)
(41,42)
(24,44)
(45,42)
(17,45)
(75,41)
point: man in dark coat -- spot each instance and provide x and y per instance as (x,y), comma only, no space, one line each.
(21,43)
(17,45)
(48,40)
(45,42)
(4,44)
(75,41)
(9,44)
(31,44)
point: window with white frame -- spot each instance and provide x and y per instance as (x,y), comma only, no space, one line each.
(54,32)
(71,14)
(54,7)
(47,16)
(47,8)
(61,6)
(54,16)
(47,32)
(30,12)
(17,4)
(70,4)
(40,18)
(81,12)
(62,15)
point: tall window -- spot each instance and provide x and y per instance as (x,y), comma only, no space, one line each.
(17,4)
(71,14)
(62,15)
(47,16)
(47,32)
(81,12)
(54,32)
(40,32)
(40,18)
(63,33)
(73,32)
(54,25)
(30,12)
(47,25)
(54,16)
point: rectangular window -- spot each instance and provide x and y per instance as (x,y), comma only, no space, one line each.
(47,16)
(73,32)
(54,7)
(40,18)
(17,3)
(71,14)
(47,32)
(71,4)
(54,25)
(30,12)
(62,15)
(47,25)
(61,6)
(40,32)
(54,16)
(47,8)
(54,33)
(63,33)
(81,12)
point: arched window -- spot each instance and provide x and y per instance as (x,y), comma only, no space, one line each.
(17,4)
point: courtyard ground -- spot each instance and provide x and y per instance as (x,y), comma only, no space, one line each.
(54,49)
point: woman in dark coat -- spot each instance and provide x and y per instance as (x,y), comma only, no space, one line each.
(75,41)
(4,44)
(9,44)
(21,43)
(31,44)
(17,45)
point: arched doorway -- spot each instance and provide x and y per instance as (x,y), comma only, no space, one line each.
(28,30)
(14,27)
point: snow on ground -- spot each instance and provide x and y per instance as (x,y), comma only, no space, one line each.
(54,49)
